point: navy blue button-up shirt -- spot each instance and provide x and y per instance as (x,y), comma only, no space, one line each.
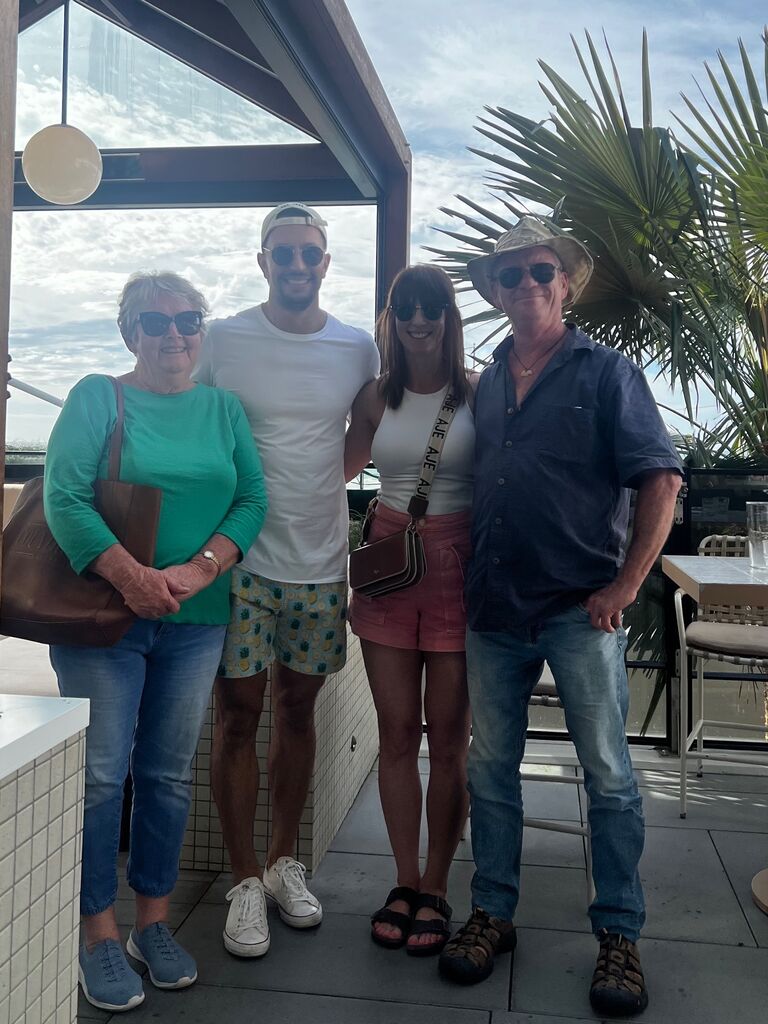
(551,503)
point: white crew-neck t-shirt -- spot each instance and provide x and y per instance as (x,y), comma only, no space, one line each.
(296,390)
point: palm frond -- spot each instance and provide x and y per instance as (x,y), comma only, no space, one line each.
(678,234)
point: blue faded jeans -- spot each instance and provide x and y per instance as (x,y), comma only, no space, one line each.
(148,695)
(588,667)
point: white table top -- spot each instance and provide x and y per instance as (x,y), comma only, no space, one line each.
(715,579)
(31,726)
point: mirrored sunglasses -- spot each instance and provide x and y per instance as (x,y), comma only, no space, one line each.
(155,325)
(431,310)
(542,273)
(283,255)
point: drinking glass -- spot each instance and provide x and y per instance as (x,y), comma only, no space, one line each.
(757,533)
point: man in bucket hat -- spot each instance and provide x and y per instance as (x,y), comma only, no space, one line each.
(564,427)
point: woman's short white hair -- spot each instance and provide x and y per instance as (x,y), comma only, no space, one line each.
(142,291)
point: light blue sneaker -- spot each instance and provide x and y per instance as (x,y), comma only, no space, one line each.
(169,965)
(107,979)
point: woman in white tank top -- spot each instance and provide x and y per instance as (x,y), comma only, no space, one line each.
(418,632)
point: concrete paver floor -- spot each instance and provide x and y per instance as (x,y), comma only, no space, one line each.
(704,949)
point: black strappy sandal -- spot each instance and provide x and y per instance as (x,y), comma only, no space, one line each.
(441,928)
(394,917)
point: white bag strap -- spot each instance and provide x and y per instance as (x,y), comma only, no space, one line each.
(417,506)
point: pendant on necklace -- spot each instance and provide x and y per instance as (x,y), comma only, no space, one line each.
(526,373)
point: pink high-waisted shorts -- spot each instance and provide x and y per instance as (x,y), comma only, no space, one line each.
(429,616)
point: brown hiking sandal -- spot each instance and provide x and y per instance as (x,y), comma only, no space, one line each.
(618,987)
(468,957)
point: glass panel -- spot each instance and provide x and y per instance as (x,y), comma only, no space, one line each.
(546,719)
(645,625)
(717,501)
(367,480)
(38,88)
(69,267)
(734,700)
(647,714)
(644,687)
(124,92)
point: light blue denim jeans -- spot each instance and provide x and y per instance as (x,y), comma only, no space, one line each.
(588,667)
(148,695)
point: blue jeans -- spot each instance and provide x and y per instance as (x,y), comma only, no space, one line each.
(148,695)
(588,667)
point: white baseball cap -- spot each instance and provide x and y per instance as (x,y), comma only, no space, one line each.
(293,213)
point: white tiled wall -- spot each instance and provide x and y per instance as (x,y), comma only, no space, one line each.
(347,745)
(345,718)
(41,817)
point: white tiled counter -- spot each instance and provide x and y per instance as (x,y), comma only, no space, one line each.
(42,757)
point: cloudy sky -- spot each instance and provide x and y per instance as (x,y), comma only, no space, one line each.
(441,62)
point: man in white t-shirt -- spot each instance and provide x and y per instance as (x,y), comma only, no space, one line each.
(296,369)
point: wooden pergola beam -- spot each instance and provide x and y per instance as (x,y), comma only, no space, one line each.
(209,176)
(282,43)
(214,22)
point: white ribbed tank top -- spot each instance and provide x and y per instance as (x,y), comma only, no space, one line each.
(398,451)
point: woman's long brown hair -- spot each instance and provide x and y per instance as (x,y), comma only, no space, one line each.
(424,285)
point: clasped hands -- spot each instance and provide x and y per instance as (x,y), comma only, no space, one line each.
(153,593)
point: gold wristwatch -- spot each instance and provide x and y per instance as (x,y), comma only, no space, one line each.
(211,556)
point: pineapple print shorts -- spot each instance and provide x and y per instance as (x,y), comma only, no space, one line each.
(301,625)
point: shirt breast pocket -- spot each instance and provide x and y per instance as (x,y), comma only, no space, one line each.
(567,432)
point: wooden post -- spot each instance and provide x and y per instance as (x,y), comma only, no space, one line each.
(9,31)
(393,242)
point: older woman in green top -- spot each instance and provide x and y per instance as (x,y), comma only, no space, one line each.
(150,691)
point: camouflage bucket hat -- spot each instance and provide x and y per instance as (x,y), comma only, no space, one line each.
(528,233)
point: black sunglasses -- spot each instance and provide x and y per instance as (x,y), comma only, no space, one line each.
(155,325)
(542,273)
(282,255)
(431,310)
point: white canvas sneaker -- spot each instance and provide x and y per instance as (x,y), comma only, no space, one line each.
(284,883)
(246,932)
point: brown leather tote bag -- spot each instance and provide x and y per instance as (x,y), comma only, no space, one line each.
(42,598)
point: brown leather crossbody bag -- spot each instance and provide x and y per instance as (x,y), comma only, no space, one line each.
(398,561)
(42,597)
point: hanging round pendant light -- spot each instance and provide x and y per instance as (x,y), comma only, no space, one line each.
(60,162)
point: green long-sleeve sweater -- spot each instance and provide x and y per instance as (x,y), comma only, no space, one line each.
(196,446)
